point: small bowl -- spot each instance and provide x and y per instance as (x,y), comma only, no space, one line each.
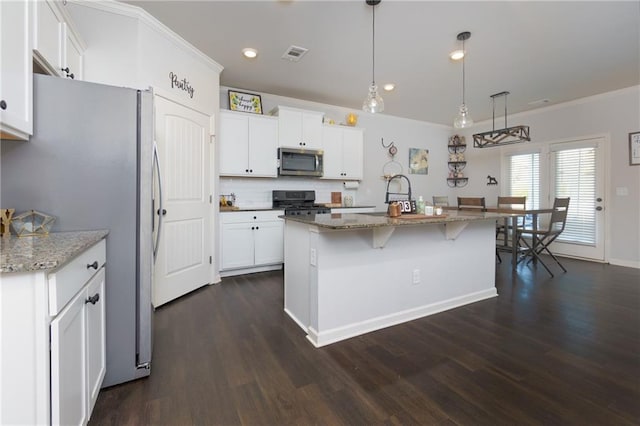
(31,223)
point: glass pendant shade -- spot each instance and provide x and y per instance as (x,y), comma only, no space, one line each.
(463,119)
(373,103)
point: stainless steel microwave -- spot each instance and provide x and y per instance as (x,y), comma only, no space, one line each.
(300,162)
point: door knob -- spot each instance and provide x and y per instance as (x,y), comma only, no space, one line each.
(599,208)
(599,199)
(164,212)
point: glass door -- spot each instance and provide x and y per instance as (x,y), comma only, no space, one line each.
(576,170)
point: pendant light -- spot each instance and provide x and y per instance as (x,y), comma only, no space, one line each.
(463,119)
(373,103)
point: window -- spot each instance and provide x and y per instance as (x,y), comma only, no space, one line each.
(523,173)
(575,177)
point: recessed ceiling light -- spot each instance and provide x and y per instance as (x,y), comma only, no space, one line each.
(456,55)
(389,87)
(249,52)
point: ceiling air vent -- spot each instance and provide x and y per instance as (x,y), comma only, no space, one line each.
(294,53)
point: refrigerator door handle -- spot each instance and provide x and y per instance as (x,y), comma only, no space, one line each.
(156,163)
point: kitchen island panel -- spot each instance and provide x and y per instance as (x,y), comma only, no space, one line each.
(354,288)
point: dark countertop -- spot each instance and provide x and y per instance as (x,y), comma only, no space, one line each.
(44,252)
(377,220)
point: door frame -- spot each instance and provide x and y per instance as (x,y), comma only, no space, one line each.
(544,149)
(214,276)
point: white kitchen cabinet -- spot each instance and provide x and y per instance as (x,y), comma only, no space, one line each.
(248,145)
(251,239)
(343,152)
(16,86)
(53,327)
(298,128)
(57,48)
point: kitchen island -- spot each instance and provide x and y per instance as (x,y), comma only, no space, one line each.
(349,274)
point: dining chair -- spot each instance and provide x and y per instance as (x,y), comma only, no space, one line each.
(441,200)
(472,203)
(541,239)
(503,228)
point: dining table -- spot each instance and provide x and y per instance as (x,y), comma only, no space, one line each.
(514,214)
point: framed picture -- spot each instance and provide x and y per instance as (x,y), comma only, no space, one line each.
(418,161)
(245,102)
(634,149)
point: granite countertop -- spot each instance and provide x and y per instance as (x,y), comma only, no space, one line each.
(254,209)
(43,252)
(377,220)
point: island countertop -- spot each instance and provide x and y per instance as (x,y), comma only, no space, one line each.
(376,220)
(44,252)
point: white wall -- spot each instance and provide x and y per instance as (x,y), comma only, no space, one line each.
(613,115)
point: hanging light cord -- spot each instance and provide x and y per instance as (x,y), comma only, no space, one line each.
(373,43)
(464,54)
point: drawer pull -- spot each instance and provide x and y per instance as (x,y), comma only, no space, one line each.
(93,265)
(93,299)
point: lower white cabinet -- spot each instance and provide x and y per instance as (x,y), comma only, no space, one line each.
(53,357)
(251,239)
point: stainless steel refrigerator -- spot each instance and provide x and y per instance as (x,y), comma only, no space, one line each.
(90,163)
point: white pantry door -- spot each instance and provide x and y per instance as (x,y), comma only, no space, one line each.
(184,249)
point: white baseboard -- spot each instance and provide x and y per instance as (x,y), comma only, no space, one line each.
(233,272)
(627,263)
(337,334)
(296,320)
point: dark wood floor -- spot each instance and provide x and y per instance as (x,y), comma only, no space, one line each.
(552,351)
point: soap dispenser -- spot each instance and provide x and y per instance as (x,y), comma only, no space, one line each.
(420,205)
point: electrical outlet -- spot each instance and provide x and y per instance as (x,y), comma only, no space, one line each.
(312,257)
(416,276)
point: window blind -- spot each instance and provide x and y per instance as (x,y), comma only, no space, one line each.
(523,171)
(575,177)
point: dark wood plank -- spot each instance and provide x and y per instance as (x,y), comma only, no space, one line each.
(562,350)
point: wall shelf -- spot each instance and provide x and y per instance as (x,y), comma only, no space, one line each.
(457,182)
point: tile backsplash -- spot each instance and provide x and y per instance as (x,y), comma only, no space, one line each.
(256,192)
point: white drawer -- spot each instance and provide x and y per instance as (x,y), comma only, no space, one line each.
(66,282)
(251,216)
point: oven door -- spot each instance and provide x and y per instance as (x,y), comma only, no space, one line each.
(300,162)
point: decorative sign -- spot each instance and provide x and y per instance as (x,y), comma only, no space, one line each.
(245,102)
(183,84)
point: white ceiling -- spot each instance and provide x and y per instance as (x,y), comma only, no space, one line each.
(558,50)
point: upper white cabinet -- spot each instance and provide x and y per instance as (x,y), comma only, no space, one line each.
(56,45)
(299,128)
(248,145)
(16,68)
(343,152)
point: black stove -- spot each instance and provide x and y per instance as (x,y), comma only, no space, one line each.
(297,203)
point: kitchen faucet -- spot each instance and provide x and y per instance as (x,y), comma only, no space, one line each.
(386,198)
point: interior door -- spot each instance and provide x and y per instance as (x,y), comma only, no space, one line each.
(576,170)
(183,254)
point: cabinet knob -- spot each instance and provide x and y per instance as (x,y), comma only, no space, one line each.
(3,104)
(253,227)
(255,217)
(65,70)
(93,299)
(250,170)
(257,227)
(246,170)
(93,265)
(70,76)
